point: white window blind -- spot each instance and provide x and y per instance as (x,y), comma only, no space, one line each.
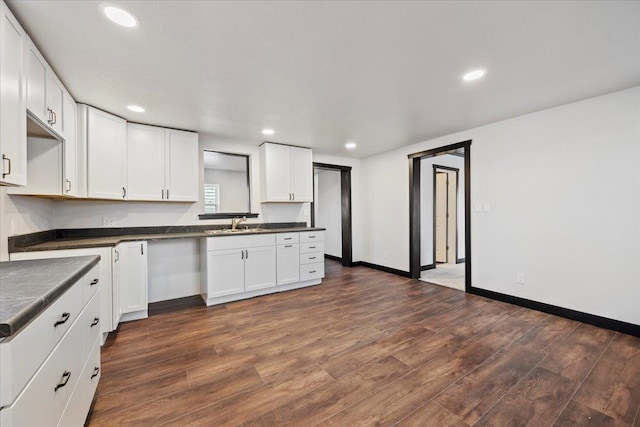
(211,198)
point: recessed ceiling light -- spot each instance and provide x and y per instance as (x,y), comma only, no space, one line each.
(135,108)
(473,75)
(120,16)
(268,131)
(350,145)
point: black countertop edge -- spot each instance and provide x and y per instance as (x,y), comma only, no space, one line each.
(13,325)
(18,243)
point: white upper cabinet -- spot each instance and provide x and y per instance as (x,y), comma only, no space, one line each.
(45,93)
(182,166)
(13,119)
(70,186)
(287,173)
(145,162)
(106,142)
(302,174)
(162,164)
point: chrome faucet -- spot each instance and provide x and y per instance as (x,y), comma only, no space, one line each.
(236,221)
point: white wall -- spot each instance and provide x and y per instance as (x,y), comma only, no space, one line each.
(22,215)
(329,210)
(234,194)
(358,189)
(426,204)
(554,215)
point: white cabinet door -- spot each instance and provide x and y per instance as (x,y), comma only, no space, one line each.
(302,174)
(69,130)
(260,268)
(145,162)
(55,96)
(106,157)
(276,173)
(13,119)
(288,269)
(116,306)
(182,168)
(225,272)
(132,276)
(37,84)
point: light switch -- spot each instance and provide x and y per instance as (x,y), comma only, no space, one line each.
(486,206)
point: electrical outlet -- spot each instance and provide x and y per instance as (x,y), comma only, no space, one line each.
(520,278)
(107,222)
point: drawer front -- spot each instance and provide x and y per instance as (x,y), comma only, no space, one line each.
(312,271)
(90,324)
(287,238)
(40,404)
(75,414)
(239,242)
(22,355)
(311,258)
(306,248)
(312,236)
(90,283)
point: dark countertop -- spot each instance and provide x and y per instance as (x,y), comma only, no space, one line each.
(28,287)
(102,241)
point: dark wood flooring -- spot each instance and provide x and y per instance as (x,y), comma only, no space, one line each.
(366,348)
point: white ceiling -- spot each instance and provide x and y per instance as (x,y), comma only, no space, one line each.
(382,74)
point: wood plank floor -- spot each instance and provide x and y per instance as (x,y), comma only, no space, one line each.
(366,348)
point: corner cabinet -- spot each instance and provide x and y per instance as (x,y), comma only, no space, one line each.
(162,164)
(286,172)
(13,117)
(105,139)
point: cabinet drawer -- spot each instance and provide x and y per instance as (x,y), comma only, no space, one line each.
(312,236)
(238,242)
(78,406)
(41,390)
(306,248)
(311,257)
(287,238)
(312,271)
(90,323)
(90,283)
(22,354)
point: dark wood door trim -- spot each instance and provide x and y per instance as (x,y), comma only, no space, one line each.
(345,209)
(414,206)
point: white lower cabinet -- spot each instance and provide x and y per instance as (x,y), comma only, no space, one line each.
(130,280)
(103,276)
(39,392)
(237,267)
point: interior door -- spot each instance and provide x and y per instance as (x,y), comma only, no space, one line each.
(441,217)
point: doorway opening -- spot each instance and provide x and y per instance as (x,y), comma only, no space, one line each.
(331,209)
(440,234)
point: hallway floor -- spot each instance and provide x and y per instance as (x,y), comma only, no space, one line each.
(449,275)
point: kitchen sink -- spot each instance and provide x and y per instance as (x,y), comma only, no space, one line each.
(230,231)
